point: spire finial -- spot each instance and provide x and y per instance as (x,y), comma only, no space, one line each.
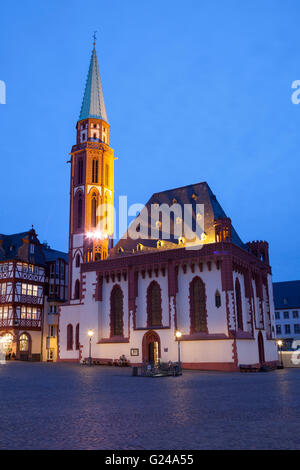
(94,37)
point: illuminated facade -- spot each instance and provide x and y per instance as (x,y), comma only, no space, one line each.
(136,295)
(24,265)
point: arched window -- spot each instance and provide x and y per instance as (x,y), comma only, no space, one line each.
(24,343)
(198,306)
(69,337)
(154,310)
(79,211)
(77,290)
(95,169)
(80,170)
(238,301)
(94,210)
(77,337)
(218,299)
(77,262)
(116,311)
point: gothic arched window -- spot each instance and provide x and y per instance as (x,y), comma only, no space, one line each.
(218,299)
(95,171)
(24,342)
(77,290)
(77,262)
(238,301)
(116,311)
(94,210)
(69,337)
(198,306)
(154,310)
(77,337)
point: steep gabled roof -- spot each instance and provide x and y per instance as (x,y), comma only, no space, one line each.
(286,294)
(17,246)
(193,194)
(93,101)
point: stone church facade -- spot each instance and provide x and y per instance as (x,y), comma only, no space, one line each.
(135,296)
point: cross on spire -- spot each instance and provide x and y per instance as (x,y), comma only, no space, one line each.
(94,37)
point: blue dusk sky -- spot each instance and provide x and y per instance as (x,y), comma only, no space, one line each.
(195,91)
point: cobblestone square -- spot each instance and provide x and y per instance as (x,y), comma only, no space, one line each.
(68,406)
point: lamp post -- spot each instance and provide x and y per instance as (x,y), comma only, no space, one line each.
(178,335)
(280,343)
(90,334)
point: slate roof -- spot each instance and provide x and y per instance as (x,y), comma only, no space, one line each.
(17,246)
(53,255)
(93,100)
(286,294)
(199,193)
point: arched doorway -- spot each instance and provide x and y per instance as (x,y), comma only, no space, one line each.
(6,346)
(24,346)
(261,349)
(151,347)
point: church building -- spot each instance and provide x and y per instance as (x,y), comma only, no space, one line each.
(215,290)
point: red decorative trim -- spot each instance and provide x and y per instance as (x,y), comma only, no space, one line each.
(213,366)
(113,339)
(204,337)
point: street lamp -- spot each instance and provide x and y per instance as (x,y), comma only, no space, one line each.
(178,335)
(280,343)
(90,334)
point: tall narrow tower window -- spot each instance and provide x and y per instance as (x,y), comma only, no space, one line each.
(79,212)
(106,175)
(95,171)
(94,211)
(80,171)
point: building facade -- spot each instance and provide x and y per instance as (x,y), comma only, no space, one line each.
(287,312)
(215,290)
(23,287)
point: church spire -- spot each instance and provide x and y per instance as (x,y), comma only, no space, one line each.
(93,101)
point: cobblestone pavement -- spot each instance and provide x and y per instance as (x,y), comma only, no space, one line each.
(68,406)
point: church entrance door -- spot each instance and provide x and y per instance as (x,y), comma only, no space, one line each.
(151,347)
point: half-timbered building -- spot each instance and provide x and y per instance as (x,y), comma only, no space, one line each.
(24,263)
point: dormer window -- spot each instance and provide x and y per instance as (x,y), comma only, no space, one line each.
(120,250)
(160,244)
(139,247)
(83,136)
(181,241)
(174,201)
(31,249)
